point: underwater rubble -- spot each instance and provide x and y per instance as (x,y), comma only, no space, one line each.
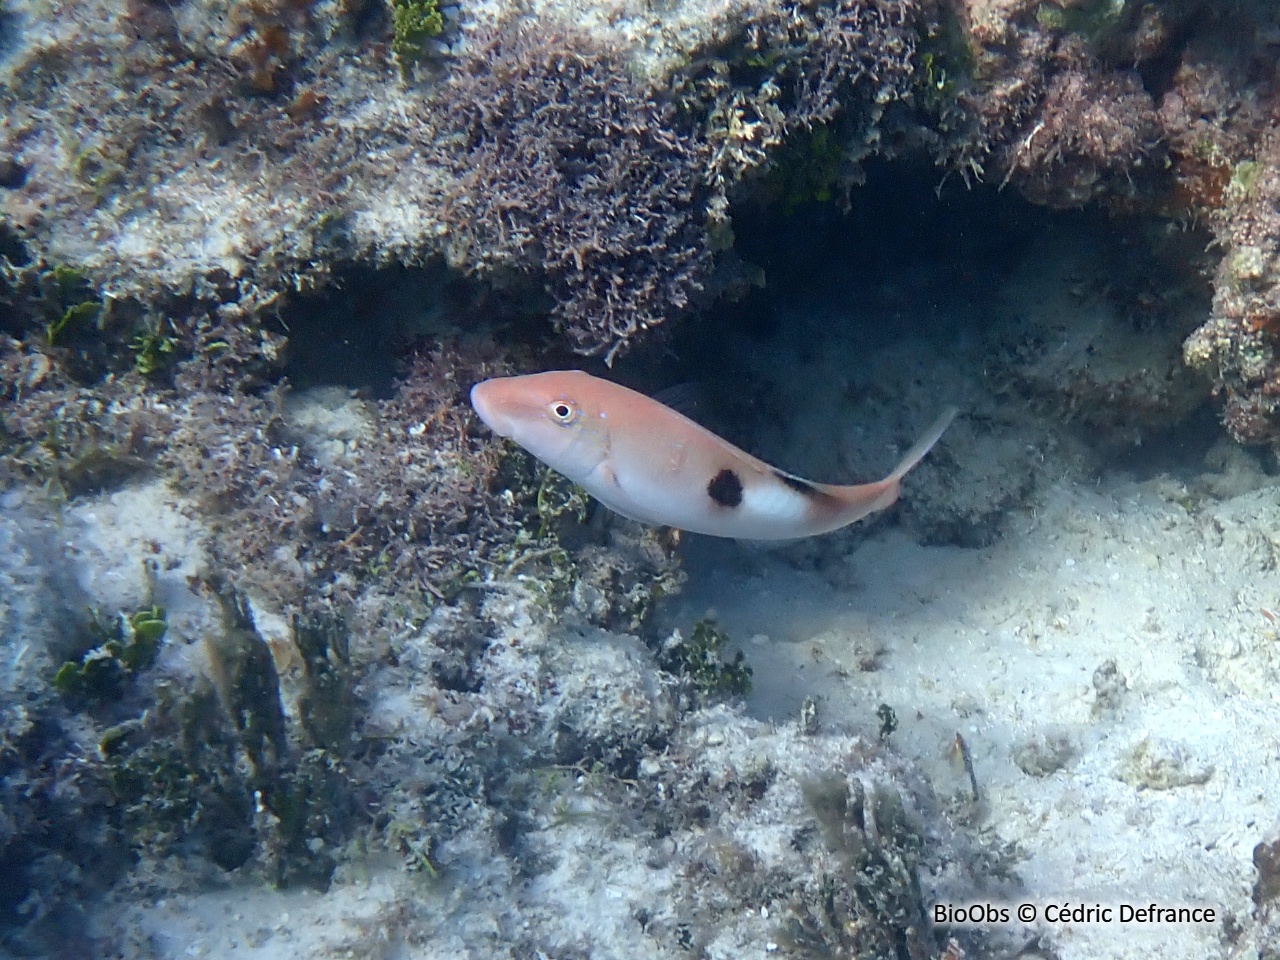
(306,756)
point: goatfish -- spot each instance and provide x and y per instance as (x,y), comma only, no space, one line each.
(650,463)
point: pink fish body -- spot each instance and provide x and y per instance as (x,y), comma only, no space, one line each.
(652,464)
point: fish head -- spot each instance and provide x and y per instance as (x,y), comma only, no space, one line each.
(553,415)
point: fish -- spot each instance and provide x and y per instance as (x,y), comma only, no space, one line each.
(652,464)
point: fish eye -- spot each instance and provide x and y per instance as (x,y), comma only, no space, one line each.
(563,412)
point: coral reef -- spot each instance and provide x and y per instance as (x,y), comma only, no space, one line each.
(563,164)
(495,740)
(714,837)
(499,746)
(414,496)
(1157,110)
(591,171)
(1042,107)
(385,643)
(827,74)
(126,756)
(309,151)
(134,163)
(249,755)
(1237,345)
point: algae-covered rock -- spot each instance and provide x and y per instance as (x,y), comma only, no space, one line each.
(700,659)
(1236,345)
(176,781)
(586,153)
(326,703)
(1045,753)
(244,674)
(874,906)
(128,645)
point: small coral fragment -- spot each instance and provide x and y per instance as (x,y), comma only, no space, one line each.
(1153,765)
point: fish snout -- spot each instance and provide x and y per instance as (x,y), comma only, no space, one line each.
(487,404)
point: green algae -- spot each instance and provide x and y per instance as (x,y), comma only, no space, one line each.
(127,645)
(700,660)
(415,23)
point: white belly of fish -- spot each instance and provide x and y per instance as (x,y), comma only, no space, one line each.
(767,511)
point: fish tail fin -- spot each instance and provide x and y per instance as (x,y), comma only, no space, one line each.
(892,484)
(843,505)
(923,445)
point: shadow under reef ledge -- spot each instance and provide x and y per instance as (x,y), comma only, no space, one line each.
(1057,334)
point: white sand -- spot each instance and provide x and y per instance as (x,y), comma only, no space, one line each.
(1001,645)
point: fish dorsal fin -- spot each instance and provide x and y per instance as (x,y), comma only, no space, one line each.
(687,399)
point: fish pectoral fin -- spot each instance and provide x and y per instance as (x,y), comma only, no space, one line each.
(684,398)
(610,476)
(610,493)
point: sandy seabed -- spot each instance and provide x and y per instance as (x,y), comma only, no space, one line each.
(1111,665)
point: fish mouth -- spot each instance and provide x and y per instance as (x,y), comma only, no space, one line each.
(486,405)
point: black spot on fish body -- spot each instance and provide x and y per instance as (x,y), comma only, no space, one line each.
(725,488)
(797,484)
